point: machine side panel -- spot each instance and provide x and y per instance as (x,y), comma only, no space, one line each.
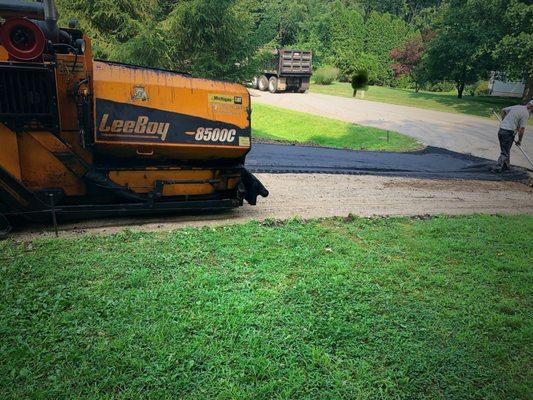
(173,92)
(131,124)
(141,111)
(69,71)
(42,170)
(9,152)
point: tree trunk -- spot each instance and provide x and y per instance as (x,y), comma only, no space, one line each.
(460,90)
(355,92)
(528,93)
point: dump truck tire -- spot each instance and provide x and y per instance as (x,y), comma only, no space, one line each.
(263,83)
(273,84)
(255,82)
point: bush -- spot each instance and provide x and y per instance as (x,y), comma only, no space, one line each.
(326,75)
(443,87)
(359,81)
(403,82)
(362,62)
(482,88)
(471,89)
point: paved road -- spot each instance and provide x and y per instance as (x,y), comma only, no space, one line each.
(431,163)
(456,132)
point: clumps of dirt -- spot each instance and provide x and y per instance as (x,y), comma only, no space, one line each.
(273,223)
(425,217)
(284,142)
(350,218)
(300,144)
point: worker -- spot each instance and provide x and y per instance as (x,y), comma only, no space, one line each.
(514,120)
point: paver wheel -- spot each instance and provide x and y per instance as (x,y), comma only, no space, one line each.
(263,83)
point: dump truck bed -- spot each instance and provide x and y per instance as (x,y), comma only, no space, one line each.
(293,62)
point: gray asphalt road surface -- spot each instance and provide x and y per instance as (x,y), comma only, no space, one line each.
(431,163)
(457,132)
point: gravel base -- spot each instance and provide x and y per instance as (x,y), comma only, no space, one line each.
(320,195)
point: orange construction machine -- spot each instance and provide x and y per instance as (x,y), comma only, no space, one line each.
(83,138)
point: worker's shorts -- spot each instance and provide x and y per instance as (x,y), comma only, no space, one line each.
(506,138)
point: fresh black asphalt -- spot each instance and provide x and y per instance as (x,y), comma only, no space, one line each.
(432,162)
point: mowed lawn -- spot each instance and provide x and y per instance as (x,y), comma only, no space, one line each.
(332,309)
(447,102)
(279,124)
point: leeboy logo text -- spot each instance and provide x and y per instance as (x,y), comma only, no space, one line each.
(140,127)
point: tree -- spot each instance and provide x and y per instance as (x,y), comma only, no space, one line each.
(418,7)
(211,39)
(393,7)
(514,51)
(406,9)
(149,47)
(316,33)
(208,38)
(109,23)
(359,81)
(462,52)
(408,57)
(383,33)
(347,39)
(225,39)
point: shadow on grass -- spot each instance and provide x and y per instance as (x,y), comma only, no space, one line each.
(445,102)
(475,105)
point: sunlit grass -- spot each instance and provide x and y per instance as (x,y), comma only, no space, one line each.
(286,125)
(333,309)
(447,102)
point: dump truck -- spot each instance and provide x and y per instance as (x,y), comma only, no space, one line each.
(286,70)
(86,138)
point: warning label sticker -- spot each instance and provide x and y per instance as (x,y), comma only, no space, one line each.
(221,99)
(225,99)
(244,141)
(226,105)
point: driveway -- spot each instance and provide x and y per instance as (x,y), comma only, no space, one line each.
(432,162)
(457,132)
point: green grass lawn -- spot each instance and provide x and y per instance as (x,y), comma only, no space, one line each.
(279,124)
(448,102)
(333,309)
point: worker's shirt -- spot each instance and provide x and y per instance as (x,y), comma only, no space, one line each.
(517,117)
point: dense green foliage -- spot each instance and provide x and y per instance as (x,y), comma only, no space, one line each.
(477,36)
(326,75)
(229,39)
(278,124)
(463,47)
(356,309)
(514,50)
